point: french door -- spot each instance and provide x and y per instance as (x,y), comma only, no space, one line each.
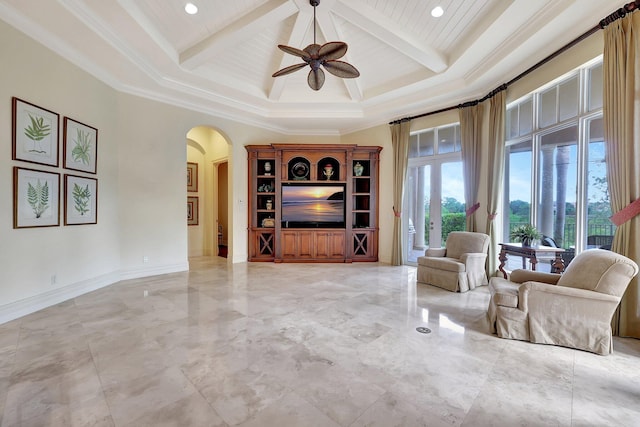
(434,203)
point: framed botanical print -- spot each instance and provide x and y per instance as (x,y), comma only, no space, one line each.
(192,210)
(80,146)
(36,198)
(34,133)
(192,177)
(80,200)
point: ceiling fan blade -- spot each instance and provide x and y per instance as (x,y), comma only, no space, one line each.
(332,50)
(294,51)
(313,50)
(289,69)
(316,79)
(341,69)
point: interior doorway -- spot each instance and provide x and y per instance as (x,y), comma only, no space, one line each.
(212,233)
(223,203)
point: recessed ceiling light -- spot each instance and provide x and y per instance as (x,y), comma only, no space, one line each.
(191,8)
(437,12)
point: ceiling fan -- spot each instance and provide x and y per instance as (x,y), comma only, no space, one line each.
(315,56)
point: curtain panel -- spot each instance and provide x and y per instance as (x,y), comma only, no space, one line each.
(471,139)
(497,129)
(400,145)
(621,111)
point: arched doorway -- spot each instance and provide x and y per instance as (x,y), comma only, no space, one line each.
(208,149)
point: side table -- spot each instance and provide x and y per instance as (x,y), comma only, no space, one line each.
(532,253)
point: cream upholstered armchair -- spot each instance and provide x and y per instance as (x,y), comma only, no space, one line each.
(457,267)
(572,310)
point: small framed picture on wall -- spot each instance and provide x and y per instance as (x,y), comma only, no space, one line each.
(36,198)
(80,146)
(192,177)
(80,200)
(34,133)
(192,210)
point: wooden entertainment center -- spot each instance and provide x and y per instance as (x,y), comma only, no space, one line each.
(313,203)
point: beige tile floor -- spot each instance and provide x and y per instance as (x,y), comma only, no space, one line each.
(267,344)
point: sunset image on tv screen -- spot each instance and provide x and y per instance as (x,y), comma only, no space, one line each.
(313,203)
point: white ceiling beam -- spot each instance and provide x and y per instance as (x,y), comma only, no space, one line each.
(331,32)
(390,33)
(269,14)
(296,39)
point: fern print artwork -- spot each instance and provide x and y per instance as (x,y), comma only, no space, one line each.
(81,198)
(38,197)
(80,146)
(81,205)
(35,133)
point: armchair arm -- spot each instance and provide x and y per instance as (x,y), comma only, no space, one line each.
(550,299)
(473,259)
(521,276)
(437,252)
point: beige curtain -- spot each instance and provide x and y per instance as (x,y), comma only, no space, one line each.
(400,144)
(497,113)
(621,109)
(471,138)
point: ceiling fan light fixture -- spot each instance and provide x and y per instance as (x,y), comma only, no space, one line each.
(319,56)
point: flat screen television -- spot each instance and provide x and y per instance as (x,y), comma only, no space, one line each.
(306,205)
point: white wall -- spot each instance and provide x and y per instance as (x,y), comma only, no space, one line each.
(81,256)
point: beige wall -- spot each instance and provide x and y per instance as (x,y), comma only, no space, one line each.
(141,173)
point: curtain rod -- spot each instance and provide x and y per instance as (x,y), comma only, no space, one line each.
(620,13)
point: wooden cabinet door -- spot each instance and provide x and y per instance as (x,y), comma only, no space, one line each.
(289,244)
(305,244)
(330,245)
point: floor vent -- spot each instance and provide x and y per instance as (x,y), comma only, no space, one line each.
(423,330)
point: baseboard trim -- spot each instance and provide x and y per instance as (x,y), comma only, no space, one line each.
(38,302)
(137,273)
(17,309)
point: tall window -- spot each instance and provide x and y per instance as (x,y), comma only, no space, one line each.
(555,166)
(434,198)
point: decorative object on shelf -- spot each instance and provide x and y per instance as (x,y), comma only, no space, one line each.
(192,177)
(358,169)
(34,133)
(328,171)
(36,198)
(192,210)
(80,200)
(316,56)
(269,204)
(267,168)
(80,146)
(268,222)
(300,171)
(525,234)
(265,188)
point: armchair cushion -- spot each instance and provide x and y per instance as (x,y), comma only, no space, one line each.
(459,266)
(447,264)
(572,310)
